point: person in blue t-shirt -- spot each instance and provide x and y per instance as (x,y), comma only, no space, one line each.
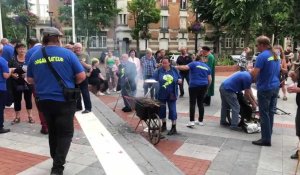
(58,112)
(200,79)
(8,49)
(266,73)
(35,45)
(168,79)
(4,75)
(229,90)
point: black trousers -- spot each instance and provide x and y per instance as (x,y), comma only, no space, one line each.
(197,95)
(297,122)
(101,85)
(187,78)
(17,95)
(84,88)
(59,117)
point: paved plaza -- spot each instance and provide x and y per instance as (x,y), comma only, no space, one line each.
(105,143)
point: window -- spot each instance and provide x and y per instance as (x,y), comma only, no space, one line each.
(183,4)
(164,3)
(98,41)
(228,42)
(122,19)
(102,40)
(239,43)
(164,22)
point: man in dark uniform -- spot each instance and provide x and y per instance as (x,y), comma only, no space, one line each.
(58,111)
(183,59)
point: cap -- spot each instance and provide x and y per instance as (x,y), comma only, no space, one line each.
(51,31)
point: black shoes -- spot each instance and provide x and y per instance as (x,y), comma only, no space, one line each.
(126,109)
(181,95)
(2,130)
(85,111)
(164,127)
(225,124)
(173,130)
(44,131)
(261,143)
(56,172)
(295,156)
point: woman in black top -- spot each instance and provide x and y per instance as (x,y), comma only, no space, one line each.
(19,85)
(96,79)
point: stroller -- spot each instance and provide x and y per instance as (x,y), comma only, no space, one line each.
(248,122)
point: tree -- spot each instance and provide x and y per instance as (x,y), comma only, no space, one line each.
(91,16)
(144,12)
(205,11)
(15,18)
(240,16)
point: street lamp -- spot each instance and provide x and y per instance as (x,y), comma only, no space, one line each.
(50,15)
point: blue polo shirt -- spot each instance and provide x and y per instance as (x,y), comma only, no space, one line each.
(268,77)
(238,82)
(168,82)
(3,69)
(31,51)
(66,65)
(199,72)
(8,52)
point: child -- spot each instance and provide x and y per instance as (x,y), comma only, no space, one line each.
(96,79)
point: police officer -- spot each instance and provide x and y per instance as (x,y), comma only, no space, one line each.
(58,112)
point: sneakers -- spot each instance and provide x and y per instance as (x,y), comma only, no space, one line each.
(100,93)
(85,111)
(295,156)
(191,124)
(114,90)
(199,123)
(108,92)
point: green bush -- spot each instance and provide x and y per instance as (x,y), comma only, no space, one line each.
(225,61)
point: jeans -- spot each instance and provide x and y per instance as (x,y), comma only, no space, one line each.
(111,78)
(59,117)
(229,101)
(127,92)
(187,78)
(2,106)
(197,95)
(171,107)
(267,101)
(84,88)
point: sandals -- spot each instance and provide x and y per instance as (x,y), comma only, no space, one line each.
(30,120)
(16,120)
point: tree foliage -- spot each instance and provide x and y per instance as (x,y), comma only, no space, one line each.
(15,18)
(144,12)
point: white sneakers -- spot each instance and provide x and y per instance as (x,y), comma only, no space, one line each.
(108,92)
(191,124)
(199,123)
(100,93)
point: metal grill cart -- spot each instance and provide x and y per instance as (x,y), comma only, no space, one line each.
(147,110)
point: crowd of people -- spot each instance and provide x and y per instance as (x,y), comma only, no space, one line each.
(58,76)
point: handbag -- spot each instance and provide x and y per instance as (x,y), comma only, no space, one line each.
(70,94)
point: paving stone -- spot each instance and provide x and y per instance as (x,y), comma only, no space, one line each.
(35,171)
(216,172)
(91,171)
(84,160)
(198,151)
(73,168)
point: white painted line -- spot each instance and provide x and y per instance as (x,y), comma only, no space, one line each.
(111,155)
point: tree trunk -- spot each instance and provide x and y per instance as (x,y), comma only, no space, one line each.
(233,45)
(138,46)
(88,41)
(247,38)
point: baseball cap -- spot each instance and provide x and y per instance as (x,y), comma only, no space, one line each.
(51,31)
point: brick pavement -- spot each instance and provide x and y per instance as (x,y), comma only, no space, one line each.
(13,162)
